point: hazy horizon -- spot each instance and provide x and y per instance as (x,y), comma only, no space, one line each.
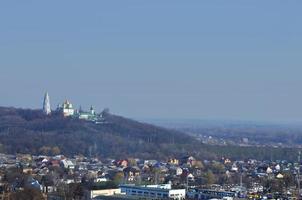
(230,60)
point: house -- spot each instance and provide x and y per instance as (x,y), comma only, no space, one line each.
(96,194)
(279,176)
(188,160)
(49,189)
(190,177)
(269,170)
(67,164)
(179,171)
(122,163)
(173,161)
(234,168)
(68,181)
(131,173)
(145,168)
(55,163)
(277,168)
(150,162)
(32,183)
(90,115)
(227,161)
(100,179)
(27,170)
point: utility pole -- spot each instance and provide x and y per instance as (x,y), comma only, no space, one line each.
(187,184)
(156,177)
(299,186)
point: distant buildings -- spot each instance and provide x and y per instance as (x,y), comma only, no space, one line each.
(210,194)
(91,115)
(68,110)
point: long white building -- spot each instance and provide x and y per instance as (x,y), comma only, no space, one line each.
(153,192)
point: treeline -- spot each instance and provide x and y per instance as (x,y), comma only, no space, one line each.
(256,134)
(260,153)
(29,131)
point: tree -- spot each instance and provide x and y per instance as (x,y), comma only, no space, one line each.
(2,148)
(27,193)
(288,180)
(199,165)
(218,168)
(76,191)
(222,179)
(118,178)
(209,177)
(45,150)
(132,162)
(47,181)
(55,150)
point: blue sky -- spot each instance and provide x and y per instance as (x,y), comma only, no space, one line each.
(155,59)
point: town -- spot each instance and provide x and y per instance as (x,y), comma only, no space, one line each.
(150,100)
(51,175)
(80,177)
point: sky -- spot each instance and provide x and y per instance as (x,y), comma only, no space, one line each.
(155,59)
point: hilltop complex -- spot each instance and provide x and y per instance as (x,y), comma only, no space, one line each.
(67,110)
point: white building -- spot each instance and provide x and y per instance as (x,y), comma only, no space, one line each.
(67,109)
(67,164)
(46,104)
(201,194)
(98,194)
(153,192)
(87,115)
(179,171)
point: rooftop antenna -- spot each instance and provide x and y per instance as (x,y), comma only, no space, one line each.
(240,179)
(187,183)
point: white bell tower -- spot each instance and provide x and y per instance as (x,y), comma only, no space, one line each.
(46,104)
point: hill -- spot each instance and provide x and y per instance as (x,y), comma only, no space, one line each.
(30,131)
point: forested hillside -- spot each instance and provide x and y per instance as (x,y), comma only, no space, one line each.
(30,131)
